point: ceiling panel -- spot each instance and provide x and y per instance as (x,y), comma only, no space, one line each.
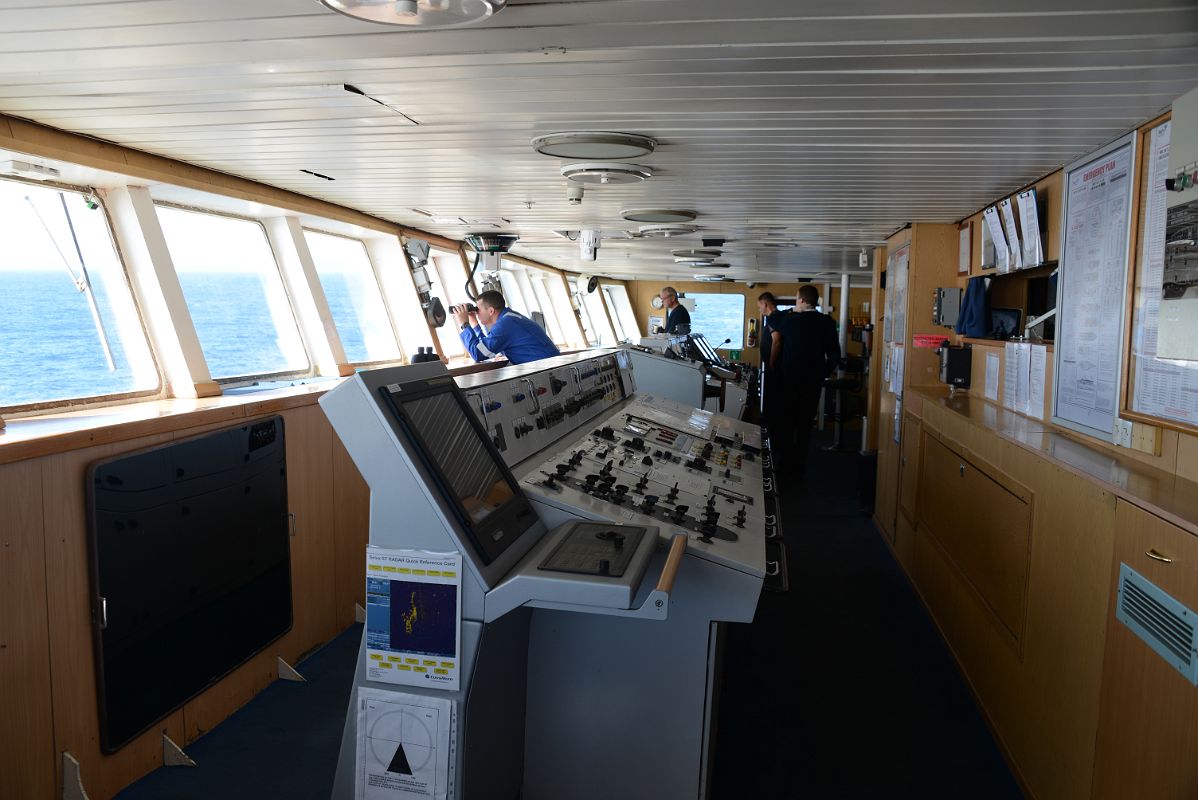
(825,124)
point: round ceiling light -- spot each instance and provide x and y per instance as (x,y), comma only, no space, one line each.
(418,13)
(602,173)
(666,230)
(658,215)
(596,145)
(699,255)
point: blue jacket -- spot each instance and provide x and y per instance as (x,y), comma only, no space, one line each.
(974,318)
(514,335)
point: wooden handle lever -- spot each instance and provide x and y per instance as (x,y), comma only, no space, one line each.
(673,561)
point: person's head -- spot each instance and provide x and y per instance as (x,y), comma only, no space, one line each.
(767,303)
(490,304)
(669,297)
(808,297)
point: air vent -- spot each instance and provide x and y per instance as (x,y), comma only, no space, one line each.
(1162,622)
(658,215)
(602,173)
(588,145)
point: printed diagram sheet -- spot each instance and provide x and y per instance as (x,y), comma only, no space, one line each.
(404,746)
(413,617)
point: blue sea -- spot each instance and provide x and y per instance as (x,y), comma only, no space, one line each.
(50,349)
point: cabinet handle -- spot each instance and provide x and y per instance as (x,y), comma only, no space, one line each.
(1156,556)
(961,469)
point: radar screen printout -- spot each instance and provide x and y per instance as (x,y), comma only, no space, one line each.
(413,617)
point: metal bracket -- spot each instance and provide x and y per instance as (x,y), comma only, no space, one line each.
(359,613)
(173,755)
(72,779)
(287,672)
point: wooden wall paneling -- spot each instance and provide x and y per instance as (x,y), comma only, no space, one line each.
(27,755)
(933,264)
(886,490)
(1042,701)
(1149,712)
(1187,457)
(351,501)
(313,552)
(230,693)
(72,664)
(877,310)
(909,461)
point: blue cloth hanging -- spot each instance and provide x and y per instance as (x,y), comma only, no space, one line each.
(974,319)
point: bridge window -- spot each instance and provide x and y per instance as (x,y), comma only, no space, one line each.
(234,293)
(719,317)
(622,314)
(69,327)
(355,300)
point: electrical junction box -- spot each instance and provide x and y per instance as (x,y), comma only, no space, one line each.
(946,306)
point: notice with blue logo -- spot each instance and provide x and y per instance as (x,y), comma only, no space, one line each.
(413,617)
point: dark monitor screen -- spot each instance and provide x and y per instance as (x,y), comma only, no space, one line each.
(191,569)
(464,464)
(1005,323)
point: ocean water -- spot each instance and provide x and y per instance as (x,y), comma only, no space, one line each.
(50,349)
(719,317)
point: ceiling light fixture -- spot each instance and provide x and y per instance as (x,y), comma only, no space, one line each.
(602,173)
(665,231)
(594,145)
(658,215)
(703,255)
(418,13)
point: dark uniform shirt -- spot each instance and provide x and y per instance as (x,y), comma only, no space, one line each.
(678,316)
(773,322)
(810,347)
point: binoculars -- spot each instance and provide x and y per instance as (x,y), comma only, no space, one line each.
(467,307)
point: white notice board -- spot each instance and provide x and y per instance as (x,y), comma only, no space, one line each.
(1092,289)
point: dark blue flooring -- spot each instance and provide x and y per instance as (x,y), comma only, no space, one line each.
(841,688)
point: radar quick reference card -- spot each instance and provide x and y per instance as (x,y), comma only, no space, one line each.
(413,617)
(405,746)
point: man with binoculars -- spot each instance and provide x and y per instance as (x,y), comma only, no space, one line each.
(508,332)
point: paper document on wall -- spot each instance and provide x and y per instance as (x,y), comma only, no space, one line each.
(1162,388)
(1002,256)
(964,248)
(405,746)
(1023,384)
(1010,379)
(1008,224)
(896,372)
(414,617)
(1029,223)
(993,374)
(1038,369)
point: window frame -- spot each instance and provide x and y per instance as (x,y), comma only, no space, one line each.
(69,403)
(246,380)
(374,271)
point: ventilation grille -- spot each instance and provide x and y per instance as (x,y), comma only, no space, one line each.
(1164,624)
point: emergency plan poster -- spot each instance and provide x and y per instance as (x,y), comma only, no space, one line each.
(413,617)
(1093,287)
(404,746)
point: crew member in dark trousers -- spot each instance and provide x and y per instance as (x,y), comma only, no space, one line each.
(810,353)
(773,408)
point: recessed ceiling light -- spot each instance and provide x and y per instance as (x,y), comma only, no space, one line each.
(665,230)
(596,145)
(418,13)
(707,255)
(657,215)
(694,262)
(600,173)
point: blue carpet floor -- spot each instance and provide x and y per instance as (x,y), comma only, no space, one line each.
(841,688)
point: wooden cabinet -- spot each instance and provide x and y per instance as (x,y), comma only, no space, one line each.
(983,523)
(1148,723)
(909,466)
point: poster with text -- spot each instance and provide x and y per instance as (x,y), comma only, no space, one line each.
(405,746)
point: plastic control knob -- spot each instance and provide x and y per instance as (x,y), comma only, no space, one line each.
(492,406)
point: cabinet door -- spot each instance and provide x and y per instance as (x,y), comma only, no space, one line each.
(909,466)
(1148,722)
(982,520)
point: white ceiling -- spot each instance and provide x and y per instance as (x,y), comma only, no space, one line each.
(825,122)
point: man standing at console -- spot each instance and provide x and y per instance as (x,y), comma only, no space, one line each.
(677,314)
(508,332)
(773,392)
(810,353)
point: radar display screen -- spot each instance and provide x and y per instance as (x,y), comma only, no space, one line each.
(463,463)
